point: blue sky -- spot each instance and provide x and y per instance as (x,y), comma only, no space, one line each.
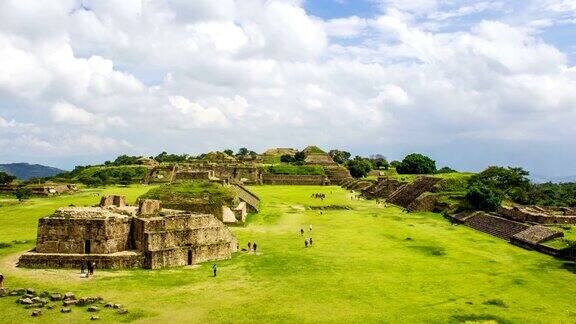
(471,83)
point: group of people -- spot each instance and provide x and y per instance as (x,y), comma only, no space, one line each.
(381,202)
(89,267)
(307,242)
(252,247)
(320,196)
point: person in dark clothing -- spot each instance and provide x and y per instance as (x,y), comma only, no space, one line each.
(301,231)
(89,268)
(214,269)
(249,246)
(305,243)
(254,247)
(82,267)
(1,281)
(310,242)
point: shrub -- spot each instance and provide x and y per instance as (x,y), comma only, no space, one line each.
(446,170)
(483,197)
(6,178)
(22,193)
(359,167)
(416,164)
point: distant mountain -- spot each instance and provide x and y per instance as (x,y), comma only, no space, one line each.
(25,171)
(544,179)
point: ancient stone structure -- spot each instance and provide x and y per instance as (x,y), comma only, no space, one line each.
(279,151)
(118,236)
(286,179)
(406,194)
(188,175)
(539,214)
(48,189)
(535,235)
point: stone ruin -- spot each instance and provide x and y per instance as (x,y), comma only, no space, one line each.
(539,214)
(115,235)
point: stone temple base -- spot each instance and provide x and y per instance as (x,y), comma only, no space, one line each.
(119,260)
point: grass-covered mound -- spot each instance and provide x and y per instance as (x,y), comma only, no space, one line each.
(193,196)
(296,169)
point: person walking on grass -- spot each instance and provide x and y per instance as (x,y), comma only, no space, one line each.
(214,269)
(254,246)
(310,227)
(249,246)
(310,242)
(1,281)
(82,268)
(301,231)
(305,243)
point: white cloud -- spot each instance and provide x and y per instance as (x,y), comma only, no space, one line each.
(67,113)
(148,76)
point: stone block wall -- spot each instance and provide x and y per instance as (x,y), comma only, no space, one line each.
(121,260)
(282,179)
(61,235)
(194,175)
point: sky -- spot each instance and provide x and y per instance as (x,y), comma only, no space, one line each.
(469,83)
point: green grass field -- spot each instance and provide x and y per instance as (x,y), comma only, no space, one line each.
(368,264)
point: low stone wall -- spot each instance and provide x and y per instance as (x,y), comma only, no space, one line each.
(283,179)
(247,196)
(193,175)
(534,214)
(121,260)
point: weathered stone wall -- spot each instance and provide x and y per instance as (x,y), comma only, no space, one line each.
(113,200)
(68,235)
(149,207)
(166,240)
(247,196)
(122,260)
(282,179)
(534,215)
(193,175)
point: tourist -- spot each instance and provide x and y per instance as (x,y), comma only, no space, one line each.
(254,246)
(301,231)
(249,246)
(305,243)
(1,281)
(310,227)
(214,269)
(82,268)
(310,242)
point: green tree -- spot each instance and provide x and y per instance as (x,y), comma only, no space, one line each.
(416,164)
(125,178)
(339,157)
(379,161)
(22,193)
(287,158)
(6,178)
(359,167)
(242,152)
(229,152)
(512,182)
(299,156)
(483,197)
